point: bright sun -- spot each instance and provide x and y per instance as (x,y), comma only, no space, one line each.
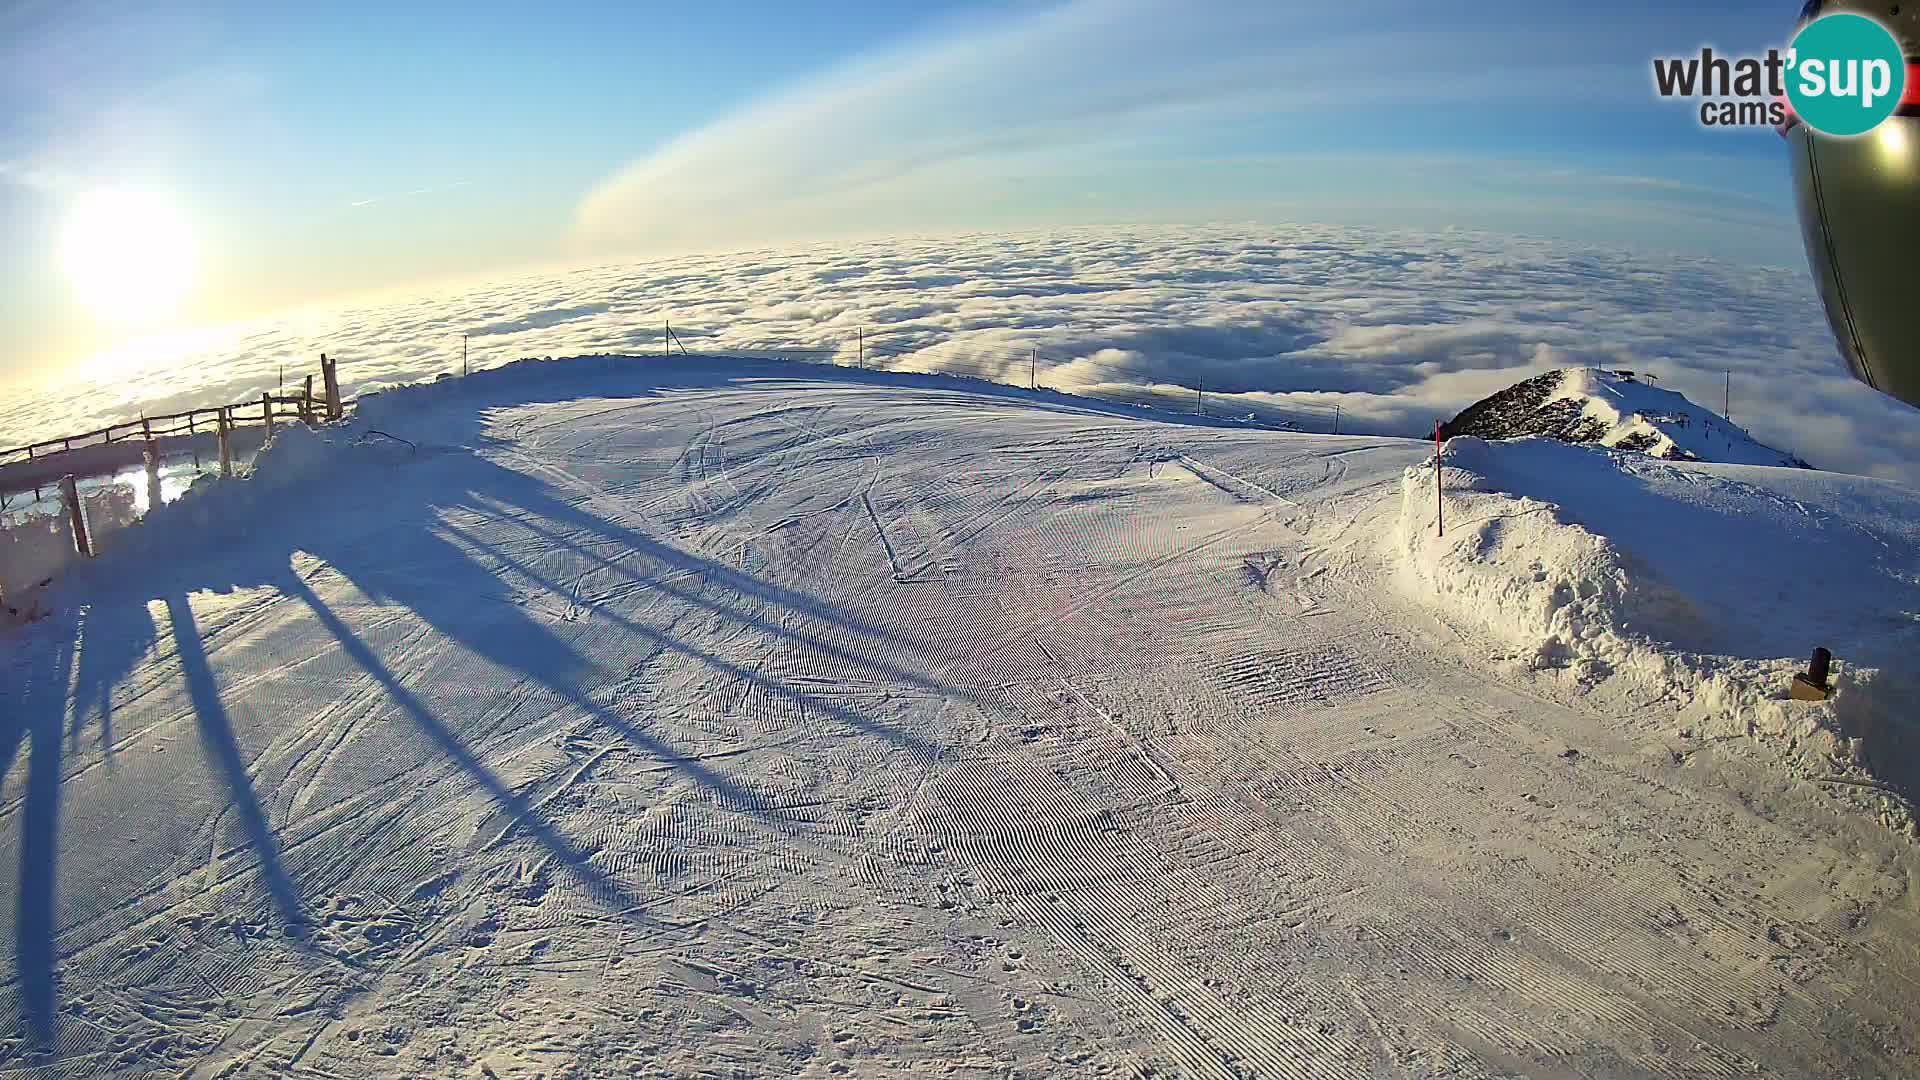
(129,255)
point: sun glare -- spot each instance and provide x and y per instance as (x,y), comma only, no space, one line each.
(1893,140)
(129,256)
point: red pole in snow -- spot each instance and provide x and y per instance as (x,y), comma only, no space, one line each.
(1439,498)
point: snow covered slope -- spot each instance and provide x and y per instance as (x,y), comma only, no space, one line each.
(655,718)
(1613,409)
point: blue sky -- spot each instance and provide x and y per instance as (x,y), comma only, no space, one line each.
(350,147)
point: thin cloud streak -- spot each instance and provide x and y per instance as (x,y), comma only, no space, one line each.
(1055,90)
(377,199)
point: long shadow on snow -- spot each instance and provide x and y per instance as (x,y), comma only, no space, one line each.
(439,579)
(440,588)
(118,623)
(222,751)
(452,415)
(533,499)
(113,639)
(516,490)
(40,706)
(70,670)
(525,817)
(436,585)
(107,642)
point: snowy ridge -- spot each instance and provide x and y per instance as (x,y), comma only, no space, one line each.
(1708,585)
(1617,410)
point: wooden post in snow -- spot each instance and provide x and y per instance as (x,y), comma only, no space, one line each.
(226,442)
(1439,485)
(76,516)
(266,410)
(152,458)
(151,454)
(330,373)
(306,403)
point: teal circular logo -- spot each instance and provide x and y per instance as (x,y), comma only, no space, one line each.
(1845,74)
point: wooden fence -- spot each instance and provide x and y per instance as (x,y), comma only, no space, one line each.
(268,409)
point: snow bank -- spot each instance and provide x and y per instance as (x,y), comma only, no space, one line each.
(1706,584)
(224,514)
(1515,565)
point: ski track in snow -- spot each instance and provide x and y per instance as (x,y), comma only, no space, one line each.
(809,727)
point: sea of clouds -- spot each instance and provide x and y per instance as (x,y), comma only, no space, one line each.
(1395,327)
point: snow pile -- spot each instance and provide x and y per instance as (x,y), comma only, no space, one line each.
(219,513)
(295,454)
(1515,564)
(1705,584)
(1618,410)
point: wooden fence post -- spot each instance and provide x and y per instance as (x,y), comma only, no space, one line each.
(266,410)
(306,403)
(226,443)
(330,375)
(77,516)
(152,454)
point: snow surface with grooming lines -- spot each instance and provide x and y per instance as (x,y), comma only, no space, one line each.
(614,717)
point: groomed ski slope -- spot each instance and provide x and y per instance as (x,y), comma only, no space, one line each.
(650,719)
